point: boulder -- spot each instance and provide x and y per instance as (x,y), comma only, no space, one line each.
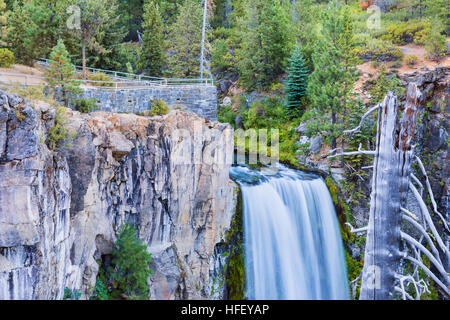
(226,102)
(316,144)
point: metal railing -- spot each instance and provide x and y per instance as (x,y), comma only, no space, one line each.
(132,77)
(7,78)
(29,80)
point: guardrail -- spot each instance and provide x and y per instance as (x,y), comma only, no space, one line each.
(28,80)
(125,76)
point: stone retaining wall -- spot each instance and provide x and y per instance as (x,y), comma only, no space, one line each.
(201,100)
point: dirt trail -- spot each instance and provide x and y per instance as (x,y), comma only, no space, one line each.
(21,74)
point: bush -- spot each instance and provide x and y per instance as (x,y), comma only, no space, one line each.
(100,76)
(221,58)
(227,115)
(100,290)
(378,50)
(35,92)
(407,32)
(85,105)
(6,58)
(59,132)
(131,265)
(411,60)
(436,46)
(71,294)
(159,108)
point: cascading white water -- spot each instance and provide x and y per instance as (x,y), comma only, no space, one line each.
(293,248)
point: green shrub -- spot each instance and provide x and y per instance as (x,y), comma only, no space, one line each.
(159,108)
(272,114)
(221,58)
(131,265)
(227,115)
(407,32)
(85,105)
(378,50)
(100,76)
(59,132)
(100,290)
(6,58)
(436,46)
(35,92)
(411,60)
(71,294)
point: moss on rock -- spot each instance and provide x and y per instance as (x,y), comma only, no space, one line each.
(235,269)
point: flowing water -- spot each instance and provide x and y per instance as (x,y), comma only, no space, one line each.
(293,247)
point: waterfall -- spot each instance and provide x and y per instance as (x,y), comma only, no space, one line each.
(292,243)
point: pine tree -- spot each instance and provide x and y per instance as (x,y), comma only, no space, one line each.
(34,28)
(131,265)
(307,24)
(385,82)
(152,57)
(61,73)
(435,43)
(331,84)
(3,23)
(108,53)
(297,82)
(94,16)
(185,40)
(264,43)
(18,37)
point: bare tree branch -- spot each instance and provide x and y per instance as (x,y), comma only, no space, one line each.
(404,293)
(426,214)
(412,215)
(415,243)
(363,118)
(354,285)
(413,176)
(352,153)
(430,192)
(428,272)
(424,233)
(359,230)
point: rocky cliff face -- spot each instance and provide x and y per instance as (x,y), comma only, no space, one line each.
(60,210)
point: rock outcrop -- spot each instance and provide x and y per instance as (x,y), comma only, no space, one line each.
(60,211)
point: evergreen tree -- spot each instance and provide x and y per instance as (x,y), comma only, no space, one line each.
(18,38)
(385,82)
(131,265)
(131,17)
(435,43)
(185,40)
(331,84)
(94,16)
(61,73)
(297,82)
(264,43)
(34,28)
(3,23)
(108,52)
(152,56)
(308,26)
(438,9)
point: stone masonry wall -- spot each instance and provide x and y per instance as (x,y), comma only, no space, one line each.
(201,100)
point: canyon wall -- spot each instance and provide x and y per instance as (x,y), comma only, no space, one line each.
(60,211)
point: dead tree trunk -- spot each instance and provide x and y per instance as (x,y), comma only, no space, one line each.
(389,190)
(383,275)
